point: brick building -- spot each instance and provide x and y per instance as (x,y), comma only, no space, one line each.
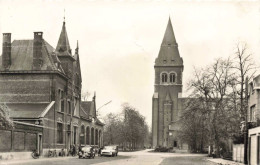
(42,87)
(167,101)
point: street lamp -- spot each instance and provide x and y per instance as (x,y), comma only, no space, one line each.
(103,105)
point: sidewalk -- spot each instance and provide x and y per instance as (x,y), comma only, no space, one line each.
(220,161)
(6,162)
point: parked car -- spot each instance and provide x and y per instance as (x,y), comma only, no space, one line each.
(87,152)
(109,151)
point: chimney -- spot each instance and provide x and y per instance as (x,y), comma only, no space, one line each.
(37,51)
(6,52)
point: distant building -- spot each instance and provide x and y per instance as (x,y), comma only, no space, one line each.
(42,87)
(167,97)
(254,121)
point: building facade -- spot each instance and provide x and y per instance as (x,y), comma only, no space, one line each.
(253,114)
(167,101)
(42,87)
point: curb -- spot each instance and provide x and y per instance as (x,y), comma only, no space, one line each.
(6,162)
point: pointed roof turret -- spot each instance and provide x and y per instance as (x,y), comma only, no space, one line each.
(77,48)
(169,52)
(168,97)
(63,43)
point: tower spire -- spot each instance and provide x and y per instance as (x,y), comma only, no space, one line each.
(169,37)
(64,16)
(169,53)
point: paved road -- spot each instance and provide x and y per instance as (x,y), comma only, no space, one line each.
(152,158)
(124,158)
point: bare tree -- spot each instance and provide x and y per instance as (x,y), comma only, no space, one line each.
(212,87)
(85,95)
(244,64)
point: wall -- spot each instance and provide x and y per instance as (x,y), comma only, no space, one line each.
(18,142)
(24,88)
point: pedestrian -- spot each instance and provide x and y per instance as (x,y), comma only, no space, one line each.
(73,150)
(99,151)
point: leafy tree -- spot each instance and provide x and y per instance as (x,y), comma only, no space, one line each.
(127,129)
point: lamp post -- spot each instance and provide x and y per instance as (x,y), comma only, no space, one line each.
(103,106)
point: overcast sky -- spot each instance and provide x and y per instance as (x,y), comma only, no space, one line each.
(119,40)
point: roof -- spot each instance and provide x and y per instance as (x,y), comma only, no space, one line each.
(88,111)
(169,37)
(85,109)
(99,122)
(22,56)
(168,97)
(23,110)
(63,46)
(169,52)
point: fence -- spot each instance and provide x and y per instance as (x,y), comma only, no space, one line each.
(238,152)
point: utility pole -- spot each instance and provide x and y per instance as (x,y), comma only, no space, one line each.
(246,124)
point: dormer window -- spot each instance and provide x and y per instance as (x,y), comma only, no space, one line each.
(164,78)
(172,78)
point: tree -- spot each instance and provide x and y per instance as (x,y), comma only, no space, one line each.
(5,121)
(127,129)
(244,64)
(212,88)
(85,95)
(246,67)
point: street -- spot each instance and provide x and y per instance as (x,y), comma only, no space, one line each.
(144,157)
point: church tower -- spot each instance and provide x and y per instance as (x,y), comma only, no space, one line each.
(167,91)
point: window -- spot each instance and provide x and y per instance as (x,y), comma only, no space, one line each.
(164,78)
(61,100)
(172,77)
(59,133)
(75,135)
(252,113)
(69,107)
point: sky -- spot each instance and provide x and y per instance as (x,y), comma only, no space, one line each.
(119,40)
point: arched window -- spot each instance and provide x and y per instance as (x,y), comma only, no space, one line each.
(87,136)
(82,135)
(164,78)
(172,77)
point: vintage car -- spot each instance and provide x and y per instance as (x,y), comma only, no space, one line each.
(109,151)
(87,152)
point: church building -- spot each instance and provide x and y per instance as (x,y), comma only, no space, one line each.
(167,101)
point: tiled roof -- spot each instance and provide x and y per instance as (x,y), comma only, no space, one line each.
(85,108)
(22,56)
(23,110)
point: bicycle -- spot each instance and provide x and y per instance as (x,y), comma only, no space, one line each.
(35,154)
